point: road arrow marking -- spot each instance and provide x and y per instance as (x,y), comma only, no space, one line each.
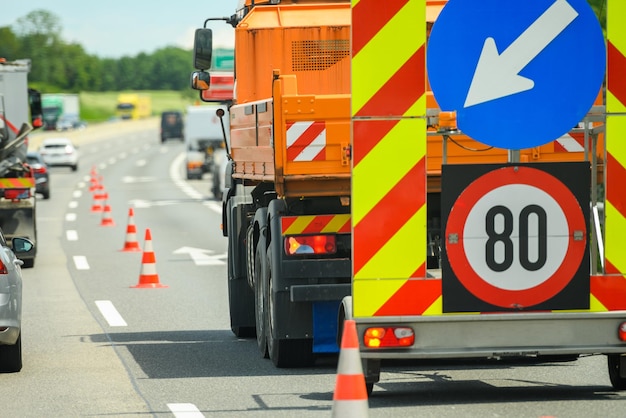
(497,75)
(201,257)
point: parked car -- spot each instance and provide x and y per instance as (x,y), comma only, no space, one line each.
(42,175)
(59,152)
(171,125)
(11,301)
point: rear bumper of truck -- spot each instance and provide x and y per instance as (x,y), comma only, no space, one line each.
(501,335)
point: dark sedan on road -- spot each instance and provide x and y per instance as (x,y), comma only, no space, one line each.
(41,172)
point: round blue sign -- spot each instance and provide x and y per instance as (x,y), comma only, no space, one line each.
(519,74)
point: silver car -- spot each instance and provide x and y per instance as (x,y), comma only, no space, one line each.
(11,302)
(59,152)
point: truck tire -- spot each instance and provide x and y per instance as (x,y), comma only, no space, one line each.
(260,300)
(11,356)
(239,297)
(284,353)
(240,294)
(615,370)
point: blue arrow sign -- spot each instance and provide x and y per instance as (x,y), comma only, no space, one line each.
(519,74)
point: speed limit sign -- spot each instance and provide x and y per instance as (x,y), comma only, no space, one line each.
(515,237)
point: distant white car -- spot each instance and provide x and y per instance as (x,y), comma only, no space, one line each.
(59,152)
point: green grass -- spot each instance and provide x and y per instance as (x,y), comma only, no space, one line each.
(100,106)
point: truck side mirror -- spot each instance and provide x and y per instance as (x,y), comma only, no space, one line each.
(200,80)
(202,49)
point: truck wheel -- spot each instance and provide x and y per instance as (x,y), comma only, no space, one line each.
(11,356)
(260,301)
(615,362)
(284,353)
(240,294)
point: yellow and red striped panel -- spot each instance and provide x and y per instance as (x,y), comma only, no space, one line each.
(315,224)
(388,160)
(610,293)
(17,183)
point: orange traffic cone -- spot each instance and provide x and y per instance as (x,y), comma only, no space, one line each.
(131,243)
(148,277)
(350,397)
(97,198)
(107,220)
(93,183)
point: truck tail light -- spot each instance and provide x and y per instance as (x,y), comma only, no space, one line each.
(310,244)
(16,194)
(380,337)
(621,332)
(194,164)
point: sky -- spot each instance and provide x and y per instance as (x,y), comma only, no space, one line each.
(117,28)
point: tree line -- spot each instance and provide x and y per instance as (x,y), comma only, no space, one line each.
(61,66)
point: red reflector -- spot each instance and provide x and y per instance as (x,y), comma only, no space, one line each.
(310,244)
(621,332)
(15,194)
(380,337)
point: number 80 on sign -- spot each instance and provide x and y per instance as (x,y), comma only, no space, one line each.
(515,237)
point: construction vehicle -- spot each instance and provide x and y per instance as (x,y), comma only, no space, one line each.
(455,254)
(303,208)
(203,135)
(59,106)
(286,206)
(133,106)
(17,180)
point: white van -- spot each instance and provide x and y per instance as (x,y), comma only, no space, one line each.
(203,135)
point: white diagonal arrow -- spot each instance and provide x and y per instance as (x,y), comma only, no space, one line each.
(201,256)
(497,75)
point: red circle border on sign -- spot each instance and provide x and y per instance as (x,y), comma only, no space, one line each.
(515,299)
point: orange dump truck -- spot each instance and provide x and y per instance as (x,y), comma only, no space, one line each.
(286,207)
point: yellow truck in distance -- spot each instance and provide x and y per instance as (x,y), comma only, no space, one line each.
(133,106)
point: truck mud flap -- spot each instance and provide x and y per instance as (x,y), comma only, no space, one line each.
(325,327)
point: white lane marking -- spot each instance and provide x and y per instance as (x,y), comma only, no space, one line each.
(77,194)
(185,410)
(80,261)
(141,163)
(130,179)
(73,204)
(70,217)
(111,314)
(71,235)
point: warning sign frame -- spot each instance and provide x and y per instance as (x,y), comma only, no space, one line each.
(464,290)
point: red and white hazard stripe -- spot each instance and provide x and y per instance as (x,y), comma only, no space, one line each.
(574,142)
(306,141)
